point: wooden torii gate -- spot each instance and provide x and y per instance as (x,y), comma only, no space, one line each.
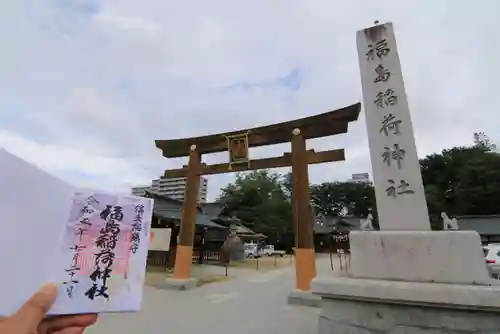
(237,143)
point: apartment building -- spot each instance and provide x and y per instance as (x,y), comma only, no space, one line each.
(140,191)
(360,177)
(173,188)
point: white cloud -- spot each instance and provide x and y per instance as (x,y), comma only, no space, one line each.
(77,166)
(129,24)
(87,86)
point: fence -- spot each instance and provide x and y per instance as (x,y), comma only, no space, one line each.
(208,256)
(159,259)
(167,259)
(340,247)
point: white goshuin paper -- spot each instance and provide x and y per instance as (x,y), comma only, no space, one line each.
(40,214)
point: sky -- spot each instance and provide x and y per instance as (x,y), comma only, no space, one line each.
(86,86)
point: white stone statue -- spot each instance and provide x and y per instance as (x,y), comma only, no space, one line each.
(366,225)
(449,224)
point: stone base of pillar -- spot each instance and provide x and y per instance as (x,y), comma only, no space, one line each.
(411,282)
(350,305)
(303,298)
(180,284)
(419,256)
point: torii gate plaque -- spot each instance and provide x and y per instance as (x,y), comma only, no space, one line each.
(238,144)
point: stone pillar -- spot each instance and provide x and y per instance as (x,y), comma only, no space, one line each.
(188,219)
(404,278)
(305,267)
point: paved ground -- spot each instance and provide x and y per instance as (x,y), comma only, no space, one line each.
(251,303)
(214,273)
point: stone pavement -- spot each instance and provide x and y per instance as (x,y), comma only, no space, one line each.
(214,273)
(247,304)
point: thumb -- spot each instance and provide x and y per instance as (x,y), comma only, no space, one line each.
(34,310)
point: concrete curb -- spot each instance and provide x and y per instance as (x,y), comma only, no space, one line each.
(180,284)
(304,298)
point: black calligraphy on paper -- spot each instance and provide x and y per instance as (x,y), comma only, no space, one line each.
(397,154)
(390,125)
(137,228)
(385,99)
(383,74)
(105,256)
(379,49)
(81,228)
(105,213)
(73,269)
(402,189)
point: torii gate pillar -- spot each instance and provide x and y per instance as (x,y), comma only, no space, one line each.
(305,267)
(188,218)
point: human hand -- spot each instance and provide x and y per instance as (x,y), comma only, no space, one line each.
(30,318)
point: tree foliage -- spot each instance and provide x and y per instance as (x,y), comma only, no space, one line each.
(258,199)
(463,180)
(344,198)
(287,184)
(481,140)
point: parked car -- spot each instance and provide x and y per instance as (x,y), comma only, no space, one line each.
(270,251)
(252,251)
(492,257)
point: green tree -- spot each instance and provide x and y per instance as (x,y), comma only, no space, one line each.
(462,180)
(286,182)
(435,205)
(478,188)
(327,198)
(338,198)
(481,140)
(258,200)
